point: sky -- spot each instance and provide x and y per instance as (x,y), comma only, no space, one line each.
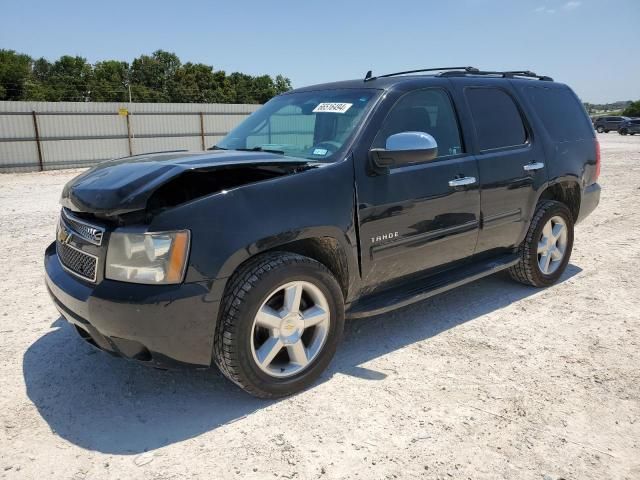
(592,45)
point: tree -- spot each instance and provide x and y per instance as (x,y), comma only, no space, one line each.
(69,80)
(633,110)
(154,75)
(283,84)
(110,81)
(15,69)
(159,77)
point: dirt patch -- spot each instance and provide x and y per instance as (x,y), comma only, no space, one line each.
(493,380)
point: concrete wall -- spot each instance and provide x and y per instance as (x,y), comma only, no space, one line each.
(76,134)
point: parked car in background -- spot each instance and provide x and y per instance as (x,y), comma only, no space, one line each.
(606,124)
(631,127)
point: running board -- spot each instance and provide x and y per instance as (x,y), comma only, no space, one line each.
(419,290)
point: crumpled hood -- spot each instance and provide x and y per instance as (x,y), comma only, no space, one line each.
(125,185)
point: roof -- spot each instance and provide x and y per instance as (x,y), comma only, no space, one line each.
(393,80)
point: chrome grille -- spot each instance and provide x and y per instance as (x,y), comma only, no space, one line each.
(80,263)
(90,233)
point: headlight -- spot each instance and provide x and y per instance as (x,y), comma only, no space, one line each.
(148,257)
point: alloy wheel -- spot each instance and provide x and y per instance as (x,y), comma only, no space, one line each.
(552,245)
(290,329)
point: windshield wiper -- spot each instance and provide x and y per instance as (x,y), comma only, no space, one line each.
(260,149)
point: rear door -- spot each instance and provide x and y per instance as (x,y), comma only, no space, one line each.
(511,162)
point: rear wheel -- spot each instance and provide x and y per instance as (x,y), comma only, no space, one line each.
(600,129)
(545,252)
(623,131)
(282,319)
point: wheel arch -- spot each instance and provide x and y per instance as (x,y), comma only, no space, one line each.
(326,245)
(564,190)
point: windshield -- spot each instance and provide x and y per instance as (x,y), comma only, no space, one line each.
(311,125)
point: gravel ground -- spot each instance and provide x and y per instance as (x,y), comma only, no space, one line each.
(492,380)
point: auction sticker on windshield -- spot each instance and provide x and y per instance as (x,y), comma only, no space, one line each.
(328,107)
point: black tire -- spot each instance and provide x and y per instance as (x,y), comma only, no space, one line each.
(606,131)
(623,131)
(600,129)
(247,290)
(527,270)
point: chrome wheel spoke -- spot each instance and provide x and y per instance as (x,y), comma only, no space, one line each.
(542,246)
(556,254)
(544,262)
(267,317)
(314,315)
(269,349)
(292,297)
(298,353)
(557,231)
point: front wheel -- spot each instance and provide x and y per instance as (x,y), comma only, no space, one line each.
(600,129)
(623,131)
(282,318)
(545,251)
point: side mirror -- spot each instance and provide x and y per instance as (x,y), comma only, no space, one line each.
(403,148)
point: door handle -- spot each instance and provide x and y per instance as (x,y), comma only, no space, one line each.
(533,166)
(461,182)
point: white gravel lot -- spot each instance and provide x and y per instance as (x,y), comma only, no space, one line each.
(492,380)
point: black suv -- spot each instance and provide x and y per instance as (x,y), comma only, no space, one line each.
(346,199)
(606,124)
(629,127)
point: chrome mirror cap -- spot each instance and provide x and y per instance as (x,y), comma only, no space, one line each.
(411,141)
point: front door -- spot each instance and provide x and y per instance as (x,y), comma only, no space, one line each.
(419,217)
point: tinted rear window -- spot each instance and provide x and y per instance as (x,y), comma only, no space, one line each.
(496,117)
(561,112)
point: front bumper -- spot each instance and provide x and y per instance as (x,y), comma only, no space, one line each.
(159,324)
(589,201)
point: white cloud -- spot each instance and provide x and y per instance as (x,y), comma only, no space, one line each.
(543,9)
(572,5)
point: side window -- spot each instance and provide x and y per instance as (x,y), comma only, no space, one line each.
(496,117)
(561,113)
(428,111)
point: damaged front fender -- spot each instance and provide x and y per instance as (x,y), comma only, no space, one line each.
(228,228)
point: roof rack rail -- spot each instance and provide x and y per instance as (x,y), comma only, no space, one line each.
(369,76)
(507,74)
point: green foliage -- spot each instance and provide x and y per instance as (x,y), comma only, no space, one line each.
(613,108)
(633,110)
(14,71)
(159,77)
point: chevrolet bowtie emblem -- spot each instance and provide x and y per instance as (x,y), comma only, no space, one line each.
(64,235)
